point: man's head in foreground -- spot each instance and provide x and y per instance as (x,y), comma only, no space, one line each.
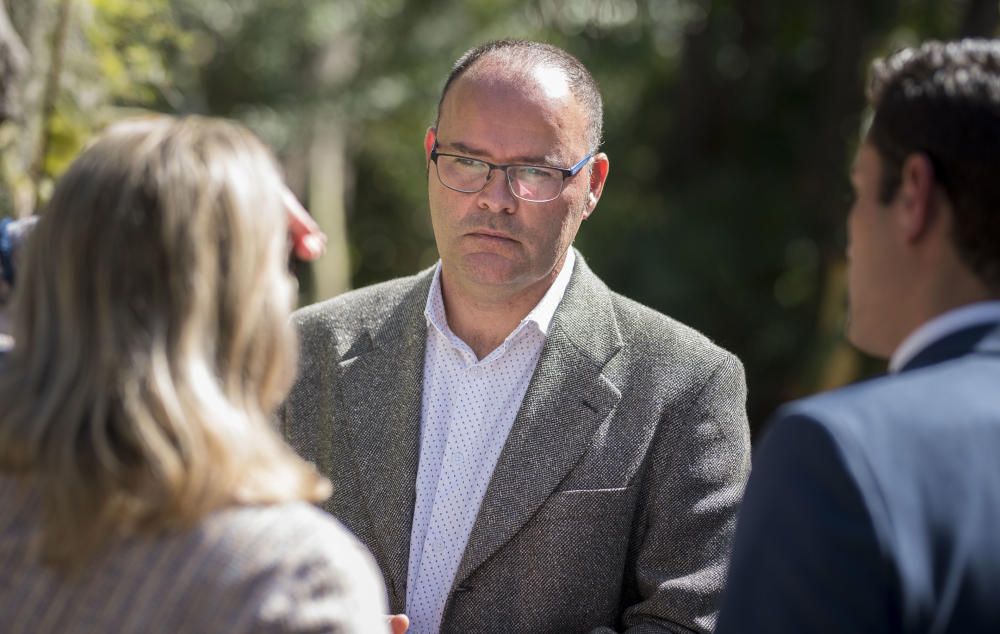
(924,230)
(533,108)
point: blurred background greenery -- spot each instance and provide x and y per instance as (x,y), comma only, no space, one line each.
(730,125)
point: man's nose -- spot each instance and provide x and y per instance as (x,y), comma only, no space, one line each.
(496,196)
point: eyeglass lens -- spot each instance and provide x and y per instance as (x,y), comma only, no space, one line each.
(538,184)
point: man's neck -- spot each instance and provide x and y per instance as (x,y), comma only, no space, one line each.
(934,292)
(952,287)
(484,317)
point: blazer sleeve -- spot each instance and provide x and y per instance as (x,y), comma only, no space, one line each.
(806,557)
(691,491)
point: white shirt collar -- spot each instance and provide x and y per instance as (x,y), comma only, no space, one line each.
(541,315)
(940,327)
(545,311)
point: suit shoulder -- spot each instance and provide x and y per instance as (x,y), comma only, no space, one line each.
(644,328)
(677,365)
(845,414)
(912,411)
(361,307)
(943,391)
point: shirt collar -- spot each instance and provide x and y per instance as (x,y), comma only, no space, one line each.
(541,315)
(545,311)
(940,327)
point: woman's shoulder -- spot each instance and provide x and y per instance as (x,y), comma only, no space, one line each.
(283,537)
(263,569)
(307,568)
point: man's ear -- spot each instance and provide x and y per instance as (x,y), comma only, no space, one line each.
(430,138)
(916,196)
(598,175)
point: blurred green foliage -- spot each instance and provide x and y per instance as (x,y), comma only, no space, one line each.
(730,125)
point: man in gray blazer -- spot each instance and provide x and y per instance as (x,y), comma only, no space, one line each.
(522,449)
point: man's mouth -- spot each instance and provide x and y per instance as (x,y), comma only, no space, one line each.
(489,233)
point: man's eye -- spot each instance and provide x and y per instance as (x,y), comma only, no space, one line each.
(537,173)
(466,162)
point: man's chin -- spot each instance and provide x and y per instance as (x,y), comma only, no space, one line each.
(491,279)
(492,269)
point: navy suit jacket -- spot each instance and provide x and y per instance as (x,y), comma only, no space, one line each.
(876,508)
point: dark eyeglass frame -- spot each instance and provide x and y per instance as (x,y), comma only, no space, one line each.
(567,172)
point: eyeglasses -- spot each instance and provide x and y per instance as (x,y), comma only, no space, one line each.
(533,183)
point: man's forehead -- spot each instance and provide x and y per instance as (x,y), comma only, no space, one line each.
(552,81)
(526,77)
(514,114)
(471,148)
(866,162)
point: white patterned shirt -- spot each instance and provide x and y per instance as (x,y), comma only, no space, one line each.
(469,406)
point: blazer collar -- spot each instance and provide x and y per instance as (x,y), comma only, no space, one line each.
(567,400)
(983,338)
(587,315)
(381,389)
(380,385)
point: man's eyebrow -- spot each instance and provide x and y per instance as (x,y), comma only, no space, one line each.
(458,146)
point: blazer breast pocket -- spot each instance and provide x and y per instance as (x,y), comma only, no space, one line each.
(574,504)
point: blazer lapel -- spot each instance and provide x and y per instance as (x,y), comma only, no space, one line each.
(381,387)
(565,403)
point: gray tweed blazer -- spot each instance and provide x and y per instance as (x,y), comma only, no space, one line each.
(614,500)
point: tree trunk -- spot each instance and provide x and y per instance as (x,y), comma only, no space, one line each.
(13,65)
(328,177)
(51,94)
(32,20)
(981,19)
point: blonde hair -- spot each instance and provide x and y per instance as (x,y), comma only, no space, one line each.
(153,340)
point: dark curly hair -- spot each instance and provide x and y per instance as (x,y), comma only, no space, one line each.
(942,99)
